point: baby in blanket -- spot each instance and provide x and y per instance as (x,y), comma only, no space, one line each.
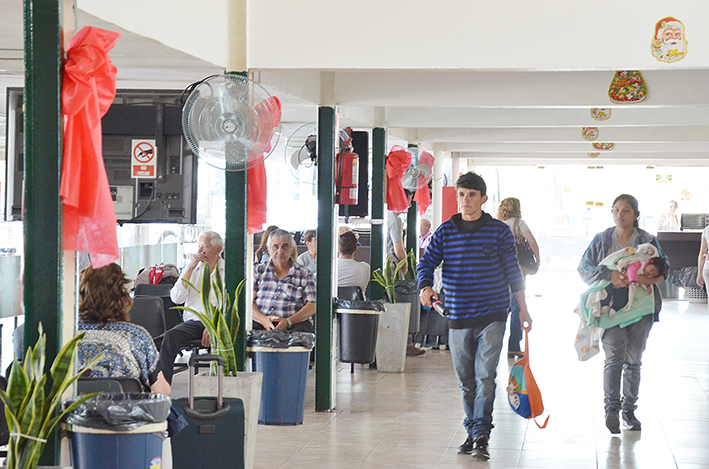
(620,298)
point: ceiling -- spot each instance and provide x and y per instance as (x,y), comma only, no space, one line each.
(510,117)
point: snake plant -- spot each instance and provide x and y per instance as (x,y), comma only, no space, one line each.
(29,410)
(389,276)
(222,332)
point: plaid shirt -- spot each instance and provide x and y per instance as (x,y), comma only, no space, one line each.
(286,297)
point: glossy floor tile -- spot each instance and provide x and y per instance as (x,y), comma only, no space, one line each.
(414,419)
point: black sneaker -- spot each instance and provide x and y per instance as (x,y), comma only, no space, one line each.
(630,420)
(467,446)
(613,422)
(480,451)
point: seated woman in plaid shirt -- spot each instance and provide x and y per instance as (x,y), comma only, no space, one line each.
(284,291)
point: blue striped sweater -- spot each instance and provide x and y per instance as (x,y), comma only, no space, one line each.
(479,268)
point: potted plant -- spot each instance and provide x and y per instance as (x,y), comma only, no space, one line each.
(29,409)
(394,322)
(406,288)
(223,335)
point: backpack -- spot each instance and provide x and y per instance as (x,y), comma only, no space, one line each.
(158,274)
(522,391)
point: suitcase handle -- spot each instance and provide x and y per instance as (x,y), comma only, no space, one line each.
(200,361)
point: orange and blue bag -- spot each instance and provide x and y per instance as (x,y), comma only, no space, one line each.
(522,391)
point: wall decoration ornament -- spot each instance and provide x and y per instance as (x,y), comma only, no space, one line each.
(627,86)
(589,133)
(593,155)
(669,44)
(604,146)
(601,114)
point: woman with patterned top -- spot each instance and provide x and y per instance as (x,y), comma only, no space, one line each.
(127,349)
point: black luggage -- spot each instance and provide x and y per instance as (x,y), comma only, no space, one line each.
(215,434)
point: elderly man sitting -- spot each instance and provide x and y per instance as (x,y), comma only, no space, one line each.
(284,291)
(210,247)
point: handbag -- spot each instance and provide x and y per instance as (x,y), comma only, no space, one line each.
(522,391)
(525,257)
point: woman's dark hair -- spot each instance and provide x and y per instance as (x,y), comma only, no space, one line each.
(103,297)
(633,202)
(263,247)
(309,235)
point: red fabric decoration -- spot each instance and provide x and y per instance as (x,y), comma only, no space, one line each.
(423,196)
(88,89)
(257,187)
(397,161)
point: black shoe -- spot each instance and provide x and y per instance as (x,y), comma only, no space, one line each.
(412,351)
(467,447)
(613,422)
(514,355)
(630,420)
(480,451)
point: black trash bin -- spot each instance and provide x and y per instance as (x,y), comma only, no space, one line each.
(407,292)
(116,430)
(357,325)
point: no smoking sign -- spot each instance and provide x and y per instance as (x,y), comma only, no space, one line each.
(143,158)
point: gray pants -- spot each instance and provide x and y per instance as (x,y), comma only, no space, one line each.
(624,349)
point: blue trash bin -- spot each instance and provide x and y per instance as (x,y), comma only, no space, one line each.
(285,373)
(92,448)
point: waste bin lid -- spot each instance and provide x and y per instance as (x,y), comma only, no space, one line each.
(273,349)
(357,311)
(147,428)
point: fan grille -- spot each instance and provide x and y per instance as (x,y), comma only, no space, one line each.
(230,122)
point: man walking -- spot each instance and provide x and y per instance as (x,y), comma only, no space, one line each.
(479,270)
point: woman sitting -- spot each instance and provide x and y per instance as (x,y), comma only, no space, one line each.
(127,349)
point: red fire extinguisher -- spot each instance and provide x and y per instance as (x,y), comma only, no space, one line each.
(348,178)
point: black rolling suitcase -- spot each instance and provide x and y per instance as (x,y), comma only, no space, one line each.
(215,434)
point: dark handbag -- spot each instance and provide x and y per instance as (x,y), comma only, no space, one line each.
(525,256)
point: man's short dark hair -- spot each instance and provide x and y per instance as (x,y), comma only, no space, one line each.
(347,244)
(472,181)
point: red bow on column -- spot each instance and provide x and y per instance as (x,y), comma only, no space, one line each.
(88,89)
(423,196)
(397,161)
(269,117)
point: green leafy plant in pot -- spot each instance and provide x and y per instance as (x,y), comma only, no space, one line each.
(221,318)
(388,277)
(29,409)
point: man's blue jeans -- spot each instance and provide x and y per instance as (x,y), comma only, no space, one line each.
(476,353)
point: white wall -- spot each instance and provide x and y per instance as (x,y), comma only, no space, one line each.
(196,28)
(468,34)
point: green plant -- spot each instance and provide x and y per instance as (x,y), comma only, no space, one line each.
(411,270)
(388,277)
(222,319)
(29,411)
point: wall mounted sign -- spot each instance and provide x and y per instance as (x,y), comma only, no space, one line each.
(627,86)
(663,178)
(594,155)
(601,114)
(143,158)
(604,146)
(589,133)
(669,44)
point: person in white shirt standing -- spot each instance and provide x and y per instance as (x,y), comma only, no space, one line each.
(210,246)
(350,273)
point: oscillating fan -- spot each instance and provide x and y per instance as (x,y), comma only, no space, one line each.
(300,153)
(419,172)
(230,122)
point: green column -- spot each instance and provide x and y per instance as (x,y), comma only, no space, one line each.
(43,151)
(325,235)
(376,259)
(411,215)
(235,252)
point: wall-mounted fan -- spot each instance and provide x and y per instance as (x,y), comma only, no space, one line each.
(419,172)
(230,122)
(300,153)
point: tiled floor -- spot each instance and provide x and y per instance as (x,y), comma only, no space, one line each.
(413,420)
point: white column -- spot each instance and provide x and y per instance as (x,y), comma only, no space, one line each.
(455,169)
(437,195)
